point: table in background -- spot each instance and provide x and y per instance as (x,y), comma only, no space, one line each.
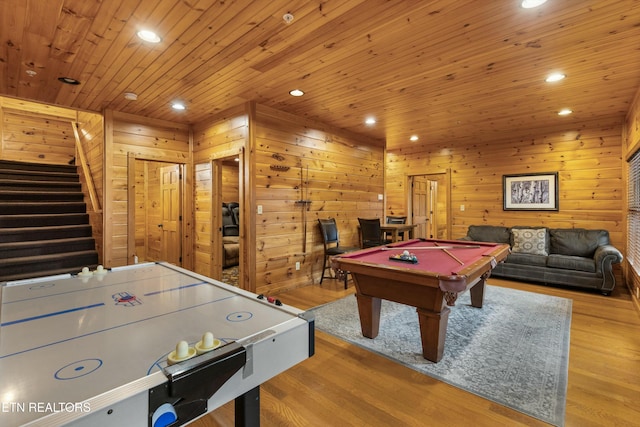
(92,350)
(396,229)
(429,285)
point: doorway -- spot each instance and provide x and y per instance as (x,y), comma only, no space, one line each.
(430,205)
(227,217)
(158,211)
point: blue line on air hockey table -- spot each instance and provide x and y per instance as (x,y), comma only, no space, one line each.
(94,288)
(88,306)
(148,294)
(55,313)
(118,326)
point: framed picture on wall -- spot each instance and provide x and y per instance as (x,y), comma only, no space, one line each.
(530,192)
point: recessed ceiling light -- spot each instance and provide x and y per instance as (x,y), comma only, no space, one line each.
(564,112)
(288,18)
(178,106)
(370,121)
(149,36)
(554,77)
(296,92)
(69,80)
(530,4)
(130,96)
(413,138)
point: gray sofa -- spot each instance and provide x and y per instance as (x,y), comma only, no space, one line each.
(561,256)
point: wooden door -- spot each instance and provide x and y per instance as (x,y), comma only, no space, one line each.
(420,205)
(430,205)
(171,214)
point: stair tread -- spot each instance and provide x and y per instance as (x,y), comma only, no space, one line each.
(35,182)
(37,173)
(39,203)
(22,164)
(8,245)
(45,228)
(42,207)
(43,215)
(43,258)
(43,220)
(44,273)
(21,192)
(27,167)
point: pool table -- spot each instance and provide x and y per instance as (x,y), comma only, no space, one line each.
(430,281)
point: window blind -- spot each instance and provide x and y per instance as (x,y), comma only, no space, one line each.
(633,215)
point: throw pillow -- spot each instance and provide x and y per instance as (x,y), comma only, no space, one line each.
(529,241)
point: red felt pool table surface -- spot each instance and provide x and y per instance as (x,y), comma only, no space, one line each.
(444,269)
(432,255)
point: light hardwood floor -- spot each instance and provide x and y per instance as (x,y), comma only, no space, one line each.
(344,385)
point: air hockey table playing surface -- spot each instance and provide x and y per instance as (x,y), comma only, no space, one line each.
(75,349)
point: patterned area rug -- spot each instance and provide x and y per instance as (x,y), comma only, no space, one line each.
(230,276)
(513,351)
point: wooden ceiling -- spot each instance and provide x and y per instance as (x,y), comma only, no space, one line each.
(446,70)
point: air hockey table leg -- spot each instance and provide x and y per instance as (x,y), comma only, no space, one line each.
(247,409)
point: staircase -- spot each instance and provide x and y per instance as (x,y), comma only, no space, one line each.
(44,226)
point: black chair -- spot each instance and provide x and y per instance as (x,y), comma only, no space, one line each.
(371,233)
(234,207)
(397,220)
(229,226)
(331,240)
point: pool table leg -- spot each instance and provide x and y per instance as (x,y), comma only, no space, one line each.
(369,311)
(477,293)
(433,330)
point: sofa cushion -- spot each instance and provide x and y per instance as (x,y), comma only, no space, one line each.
(568,262)
(577,241)
(527,259)
(230,239)
(529,241)
(489,233)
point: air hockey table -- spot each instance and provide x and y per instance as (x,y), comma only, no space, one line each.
(92,349)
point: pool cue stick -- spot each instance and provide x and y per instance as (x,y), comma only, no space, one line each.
(450,254)
(387,248)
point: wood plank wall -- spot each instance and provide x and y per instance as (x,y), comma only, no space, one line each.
(36,133)
(91,133)
(588,158)
(127,137)
(631,146)
(340,173)
(222,137)
(230,181)
(202,236)
(345,175)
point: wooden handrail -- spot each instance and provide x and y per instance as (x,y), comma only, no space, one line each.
(93,196)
